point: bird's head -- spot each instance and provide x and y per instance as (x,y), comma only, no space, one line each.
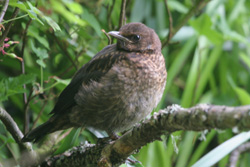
(136,37)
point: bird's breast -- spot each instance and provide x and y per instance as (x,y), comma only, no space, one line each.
(139,82)
(143,78)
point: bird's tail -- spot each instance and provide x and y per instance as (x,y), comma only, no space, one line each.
(39,132)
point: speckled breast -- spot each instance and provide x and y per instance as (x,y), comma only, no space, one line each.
(143,79)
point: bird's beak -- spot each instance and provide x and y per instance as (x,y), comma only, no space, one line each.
(116,35)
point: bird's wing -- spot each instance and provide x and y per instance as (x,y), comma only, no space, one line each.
(92,71)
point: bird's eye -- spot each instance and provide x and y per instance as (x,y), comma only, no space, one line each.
(135,38)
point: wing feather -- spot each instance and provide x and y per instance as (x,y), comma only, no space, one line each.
(97,67)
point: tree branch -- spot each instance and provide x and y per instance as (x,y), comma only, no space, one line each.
(173,118)
(110,10)
(65,51)
(7,28)
(170,22)
(122,14)
(4,9)
(234,157)
(12,127)
(201,4)
(26,102)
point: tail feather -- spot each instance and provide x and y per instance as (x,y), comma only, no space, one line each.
(39,132)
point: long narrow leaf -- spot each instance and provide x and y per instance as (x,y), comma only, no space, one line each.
(222,150)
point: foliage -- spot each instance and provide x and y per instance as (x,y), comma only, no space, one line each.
(210,63)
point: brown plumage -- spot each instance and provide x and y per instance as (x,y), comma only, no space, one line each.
(117,88)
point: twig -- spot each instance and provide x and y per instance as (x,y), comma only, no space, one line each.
(107,35)
(174,118)
(183,21)
(65,51)
(122,14)
(82,51)
(12,153)
(4,9)
(7,28)
(12,127)
(10,150)
(26,109)
(235,155)
(26,102)
(170,22)
(39,114)
(24,36)
(65,71)
(13,19)
(109,15)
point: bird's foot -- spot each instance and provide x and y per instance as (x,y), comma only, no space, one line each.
(107,140)
(103,141)
(114,136)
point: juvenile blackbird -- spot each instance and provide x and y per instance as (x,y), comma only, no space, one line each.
(116,89)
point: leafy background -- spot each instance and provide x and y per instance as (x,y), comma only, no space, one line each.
(208,61)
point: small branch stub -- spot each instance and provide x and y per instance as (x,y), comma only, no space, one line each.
(107,35)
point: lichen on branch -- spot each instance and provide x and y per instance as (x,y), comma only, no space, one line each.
(173,118)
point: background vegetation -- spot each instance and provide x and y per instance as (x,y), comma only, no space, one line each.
(208,61)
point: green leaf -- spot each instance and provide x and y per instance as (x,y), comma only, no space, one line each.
(178,6)
(245,58)
(193,74)
(33,16)
(33,8)
(73,7)
(62,81)
(41,63)
(202,147)
(232,35)
(209,66)
(186,149)
(18,4)
(52,23)
(222,150)
(203,26)
(34,13)
(243,95)
(41,54)
(7,139)
(34,32)
(236,11)
(11,86)
(69,141)
(180,59)
(174,69)
(65,82)
(71,17)
(90,18)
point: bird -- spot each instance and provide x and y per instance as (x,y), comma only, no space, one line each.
(116,89)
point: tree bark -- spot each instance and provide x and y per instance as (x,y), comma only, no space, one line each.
(173,118)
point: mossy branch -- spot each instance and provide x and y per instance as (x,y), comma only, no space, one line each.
(174,118)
